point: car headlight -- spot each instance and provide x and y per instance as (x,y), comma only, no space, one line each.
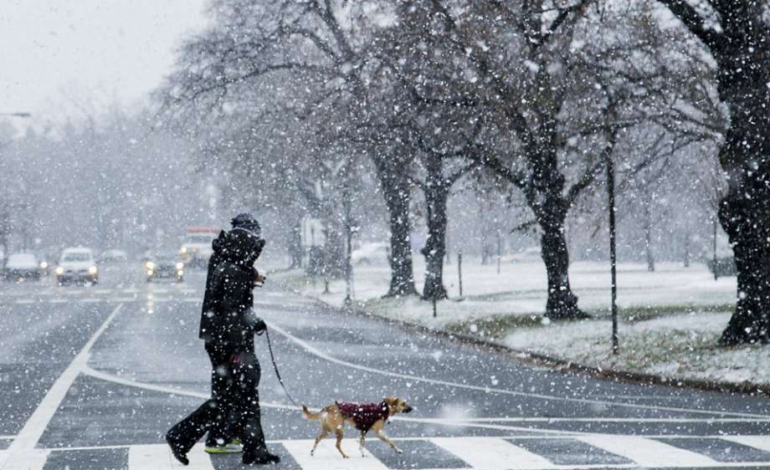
(183,250)
(150,265)
(43,265)
(59,270)
(149,272)
(92,270)
(180,266)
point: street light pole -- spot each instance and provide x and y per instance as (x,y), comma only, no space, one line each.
(613,253)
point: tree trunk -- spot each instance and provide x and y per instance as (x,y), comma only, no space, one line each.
(295,245)
(648,235)
(743,78)
(562,303)
(436,195)
(397,195)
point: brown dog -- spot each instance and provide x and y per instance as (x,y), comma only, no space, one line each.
(363,416)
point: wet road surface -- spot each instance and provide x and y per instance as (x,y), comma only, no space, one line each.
(92,376)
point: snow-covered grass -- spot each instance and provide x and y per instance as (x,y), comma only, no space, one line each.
(670,319)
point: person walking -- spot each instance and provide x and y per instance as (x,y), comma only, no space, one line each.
(228,326)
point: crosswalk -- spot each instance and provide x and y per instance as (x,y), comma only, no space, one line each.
(575,452)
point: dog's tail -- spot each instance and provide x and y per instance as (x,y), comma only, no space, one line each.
(310,415)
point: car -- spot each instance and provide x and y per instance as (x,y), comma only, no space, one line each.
(164,266)
(45,266)
(77,265)
(532,254)
(371,253)
(113,256)
(196,249)
(22,266)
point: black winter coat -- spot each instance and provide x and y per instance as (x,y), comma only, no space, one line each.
(227,318)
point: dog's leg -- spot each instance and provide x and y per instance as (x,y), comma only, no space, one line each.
(384,438)
(361,443)
(339,442)
(323,434)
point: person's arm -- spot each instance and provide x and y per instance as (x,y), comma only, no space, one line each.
(236,289)
(237,299)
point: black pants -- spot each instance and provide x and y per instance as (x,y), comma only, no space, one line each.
(234,404)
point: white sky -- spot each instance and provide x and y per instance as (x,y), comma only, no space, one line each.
(102,47)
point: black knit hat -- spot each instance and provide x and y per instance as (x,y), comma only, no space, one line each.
(247,221)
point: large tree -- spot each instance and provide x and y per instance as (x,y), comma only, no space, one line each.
(736,33)
(318,48)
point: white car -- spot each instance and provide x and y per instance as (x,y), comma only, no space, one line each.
(21,266)
(77,264)
(528,255)
(371,253)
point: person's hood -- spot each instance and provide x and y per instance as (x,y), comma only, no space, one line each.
(240,246)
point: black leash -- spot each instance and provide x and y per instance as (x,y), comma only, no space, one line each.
(275,366)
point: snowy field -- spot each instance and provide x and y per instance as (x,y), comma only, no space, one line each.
(670,318)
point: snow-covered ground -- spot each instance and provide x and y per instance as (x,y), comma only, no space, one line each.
(520,289)
(670,318)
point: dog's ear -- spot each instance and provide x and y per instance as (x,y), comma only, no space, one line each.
(390,401)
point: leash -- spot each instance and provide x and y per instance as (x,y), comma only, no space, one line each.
(275,367)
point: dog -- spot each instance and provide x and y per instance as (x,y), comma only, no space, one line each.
(364,416)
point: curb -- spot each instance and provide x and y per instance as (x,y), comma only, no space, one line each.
(562,365)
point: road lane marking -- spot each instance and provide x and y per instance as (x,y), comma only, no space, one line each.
(524,419)
(158,457)
(493,454)
(25,301)
(58,301)
(33,459)
(489,453)
(757,442)
(316,352)
(647,452)
(33,429)
(328,457)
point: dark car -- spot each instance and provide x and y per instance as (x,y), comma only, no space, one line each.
(21,266)
(164,266)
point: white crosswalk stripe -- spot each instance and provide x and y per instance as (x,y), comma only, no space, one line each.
(26,460)
(328,457)
(487,453)
(493,454)
(648,452)
(757,442)
(157,457)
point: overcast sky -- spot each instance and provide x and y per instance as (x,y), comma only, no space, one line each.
(106,47)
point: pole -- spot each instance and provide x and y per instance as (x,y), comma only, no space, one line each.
(613,253)
(435,310)
(499,251)
(460,270)
(716,229)
(349,235)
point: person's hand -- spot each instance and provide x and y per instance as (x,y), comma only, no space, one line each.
(260,280)
(260,326)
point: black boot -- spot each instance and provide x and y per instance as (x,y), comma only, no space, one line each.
(179,453)
(262,457)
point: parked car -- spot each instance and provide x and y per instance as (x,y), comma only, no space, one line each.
(527,255)
(371,253)
(165,266)
(77,265)
(22,266)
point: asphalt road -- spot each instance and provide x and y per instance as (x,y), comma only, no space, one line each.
(92,376)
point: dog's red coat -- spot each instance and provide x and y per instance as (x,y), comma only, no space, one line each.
(364,415)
